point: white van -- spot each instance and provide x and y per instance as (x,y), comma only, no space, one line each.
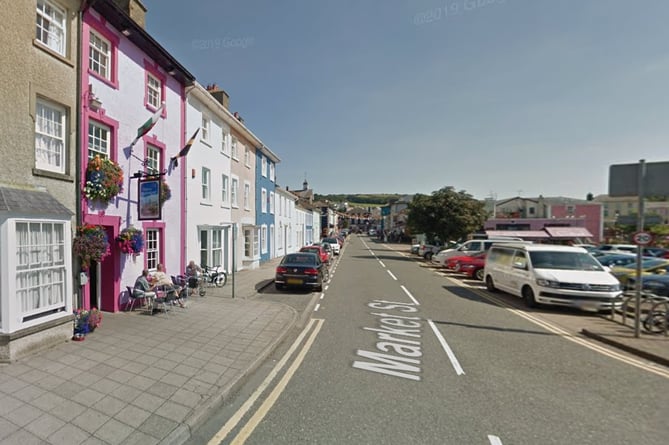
(551,274)
(469,248)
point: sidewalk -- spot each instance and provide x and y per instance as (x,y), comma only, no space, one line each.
(140,378)
(150,379)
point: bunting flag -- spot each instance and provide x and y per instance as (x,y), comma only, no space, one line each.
(184,151)
(148,125)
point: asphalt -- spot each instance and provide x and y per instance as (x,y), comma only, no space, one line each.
(147,379)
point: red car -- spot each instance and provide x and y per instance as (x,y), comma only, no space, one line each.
(320,251)
(468,264)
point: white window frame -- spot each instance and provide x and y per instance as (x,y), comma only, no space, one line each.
(50,136)
(271,171)
(152,249)
(41,274)
(247,195)
(154,93)
(256,243)
(206,184)
(272,197)
(263,198)
(224,141)
(263,238)
(263,168)
(234,192)
(233,148)
(99,139)
(247,156)
(206,128)
(51,26)
(211,247)
(248,243)
(153,158)
(99,55)
(225,185)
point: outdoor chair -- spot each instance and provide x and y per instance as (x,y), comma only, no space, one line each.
(137,294)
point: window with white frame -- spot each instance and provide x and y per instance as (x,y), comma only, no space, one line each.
(40,267)
(271,202)
(263,239)
(50,26)
(206,124)
(247,196)
(152,249)
(211,247)
(247,156)
(233,148)
(206,184)
(224,140)
(271,171)
(225,186)
(234,190)
(99,55)
(98,140)
(256,243)
(153,160)
(50,146)
(263,198)
(248,243)
(153,91)
(279,238)
(263,167)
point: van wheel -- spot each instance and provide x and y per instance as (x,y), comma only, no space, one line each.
(479,275)
(528,296)
(489,284)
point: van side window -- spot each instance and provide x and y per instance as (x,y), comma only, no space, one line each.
(472,247)
(520,260)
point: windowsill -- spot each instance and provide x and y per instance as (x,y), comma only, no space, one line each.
(48,50)
(206,142)
(52,175)
(104,80)
(234,206)
(224,153)
(206,203)
(225,206)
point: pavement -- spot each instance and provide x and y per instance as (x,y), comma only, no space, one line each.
(152,379)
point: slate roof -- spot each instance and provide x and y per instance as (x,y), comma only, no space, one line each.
(30,201)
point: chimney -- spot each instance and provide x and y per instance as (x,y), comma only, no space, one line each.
(219,95)
(135,9)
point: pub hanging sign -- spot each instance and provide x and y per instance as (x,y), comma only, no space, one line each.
(148,205)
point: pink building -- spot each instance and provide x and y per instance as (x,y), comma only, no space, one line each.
(559,218)
(127,79)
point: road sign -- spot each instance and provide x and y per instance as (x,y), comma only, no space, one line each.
(642,238)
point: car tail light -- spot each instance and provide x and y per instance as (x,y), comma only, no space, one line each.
(311,271)
(281,269)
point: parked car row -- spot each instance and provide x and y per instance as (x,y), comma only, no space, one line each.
(556,275)
(309,267)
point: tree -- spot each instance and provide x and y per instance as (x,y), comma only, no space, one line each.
(446,214)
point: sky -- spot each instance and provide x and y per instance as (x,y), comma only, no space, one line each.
(496,98)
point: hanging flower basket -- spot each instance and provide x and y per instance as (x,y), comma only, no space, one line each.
(90,244)
(104,180)
(165,192)
(130,240)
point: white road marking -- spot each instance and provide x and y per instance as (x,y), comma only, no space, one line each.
(251,425)
(494,440)
(449,351)
(406,291)
(381,263)
(391,274)
(322,296)
(237,417)
(316,307)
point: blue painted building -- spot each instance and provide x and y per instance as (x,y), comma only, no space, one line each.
(265,186)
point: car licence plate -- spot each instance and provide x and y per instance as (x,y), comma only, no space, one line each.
(294,281)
